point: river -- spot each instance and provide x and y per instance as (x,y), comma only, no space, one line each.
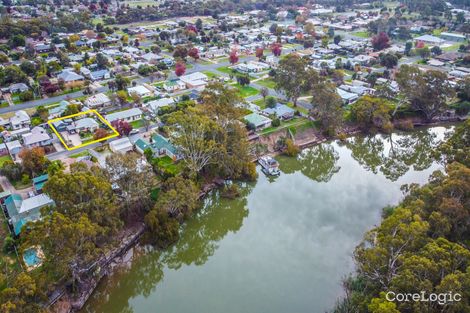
(286,244)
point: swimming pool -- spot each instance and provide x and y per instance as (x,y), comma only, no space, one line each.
(31,258)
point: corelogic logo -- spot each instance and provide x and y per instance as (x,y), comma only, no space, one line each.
(440,298)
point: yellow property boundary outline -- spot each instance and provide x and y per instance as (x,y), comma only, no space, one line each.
(114,134)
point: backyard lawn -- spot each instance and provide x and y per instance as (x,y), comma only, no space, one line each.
(137,124)
(246,91)
(361,34)
(267,82)
(225,69)
(169,165)
(298,123)
(80,154)
(210,74)
(3,159)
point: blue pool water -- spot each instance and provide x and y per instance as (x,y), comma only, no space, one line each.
(31,258)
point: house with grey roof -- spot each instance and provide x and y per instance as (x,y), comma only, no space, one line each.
(130,115)
(348,97)
(69,76)
(14,147)
(155,105)
(86,124)
(20,120)
(281,111)
(99,75)
(98,100)
(38,137)
(19,87)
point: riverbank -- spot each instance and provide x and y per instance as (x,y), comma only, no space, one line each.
(312,136)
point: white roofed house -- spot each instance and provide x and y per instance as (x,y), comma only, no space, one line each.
(430,39)
(122,145)
(151,57)
(252,67)
(38,137)
(97,101)
(141,91)
(155,105)
(195,80)
(20,120)
(453,36)
(174,85)
(130,115)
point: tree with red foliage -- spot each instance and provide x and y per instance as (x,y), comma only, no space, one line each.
(233,57)
(380,41)
(276,49)
(122,127)
(191,28)
(194,53)
(180,69)
(419,44)
(259,52)
(100,133)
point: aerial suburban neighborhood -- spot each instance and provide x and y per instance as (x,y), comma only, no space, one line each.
(144,136)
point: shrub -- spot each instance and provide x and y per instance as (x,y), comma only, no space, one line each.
(26,96)
(291,148)
(25,179)
(271,102)
(249,172)
(463,108)
(251,126)
(231,191)
(163,230)
(406,124)
(8,244)
(342,136)
(276,122)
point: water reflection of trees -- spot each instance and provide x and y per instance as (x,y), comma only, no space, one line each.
(393,155)
(318,163)
(199,241)
(201,236)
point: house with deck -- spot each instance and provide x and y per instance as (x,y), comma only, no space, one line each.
(20,211)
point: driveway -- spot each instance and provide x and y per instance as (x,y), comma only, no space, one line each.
(7,186)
